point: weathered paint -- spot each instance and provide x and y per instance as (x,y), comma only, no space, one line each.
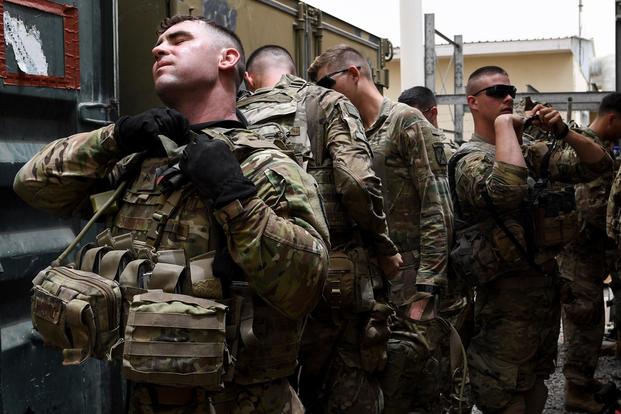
(26,44)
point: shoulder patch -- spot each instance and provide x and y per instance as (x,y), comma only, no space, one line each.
(438,150)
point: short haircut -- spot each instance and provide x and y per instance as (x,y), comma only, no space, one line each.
(419,97)
(225,37)
(479,73)
(337,58)
(270,56)
(611,103)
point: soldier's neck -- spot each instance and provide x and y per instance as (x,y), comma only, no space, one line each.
(369,104)
(215,105)
(485,132)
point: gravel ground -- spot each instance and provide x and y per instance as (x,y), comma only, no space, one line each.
(609,369)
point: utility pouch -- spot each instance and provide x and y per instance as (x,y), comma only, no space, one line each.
(555,219)
(482,252)
(176,340)
(350,281)
(77,311)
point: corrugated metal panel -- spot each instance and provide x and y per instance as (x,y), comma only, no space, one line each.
(54,59)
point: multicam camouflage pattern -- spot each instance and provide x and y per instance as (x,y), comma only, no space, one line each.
(517,324)
(516,341)
(324,128)
(278,239)
(583,265)
(409,156)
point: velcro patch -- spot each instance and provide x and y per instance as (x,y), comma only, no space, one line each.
(438,149)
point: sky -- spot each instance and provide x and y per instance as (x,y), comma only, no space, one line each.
(484,20)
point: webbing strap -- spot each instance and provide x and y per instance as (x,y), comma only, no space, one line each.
(160,217)
(81,323)
(193,379)
(172,320)
(159,296)
(246,324)
(174,349)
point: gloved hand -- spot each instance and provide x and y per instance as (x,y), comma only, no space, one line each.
(139,132)
(212,167)
(374,340)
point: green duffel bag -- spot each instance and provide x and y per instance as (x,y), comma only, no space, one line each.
(176,340)
(76,311)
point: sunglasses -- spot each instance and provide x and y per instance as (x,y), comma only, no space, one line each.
(498,91)
(327,81)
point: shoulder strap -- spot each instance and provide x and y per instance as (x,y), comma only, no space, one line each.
(464,150)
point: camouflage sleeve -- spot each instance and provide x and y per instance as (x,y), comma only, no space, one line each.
(564,164)
(360,189)
(278,238)
(61,175)
(613,211)
(436,214)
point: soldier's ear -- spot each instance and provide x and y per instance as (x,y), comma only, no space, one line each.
(228,58)
(250,84)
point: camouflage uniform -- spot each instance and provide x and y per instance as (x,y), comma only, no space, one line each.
(583,266)
(517,309)
(410,156)
(324,130)
(277,239)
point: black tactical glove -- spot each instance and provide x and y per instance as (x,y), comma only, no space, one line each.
(213,168)
(139,132)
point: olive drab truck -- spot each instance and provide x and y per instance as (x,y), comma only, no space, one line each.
(68,66)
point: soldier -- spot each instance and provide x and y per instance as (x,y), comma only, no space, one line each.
(409,158)
(266,208)
(424,100)
(456,304)
(583,267)
(339,361)
(513,226)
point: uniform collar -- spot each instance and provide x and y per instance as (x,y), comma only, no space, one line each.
(383,115)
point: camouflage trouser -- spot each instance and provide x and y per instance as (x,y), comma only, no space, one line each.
(515,344)
(269,398)
(331,378)
(583,268)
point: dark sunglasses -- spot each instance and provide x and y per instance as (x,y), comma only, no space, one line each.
(498,91)
(327,81)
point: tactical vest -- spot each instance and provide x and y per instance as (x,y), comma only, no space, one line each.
(295,114)
(170,241)
(288,114)
(498,243)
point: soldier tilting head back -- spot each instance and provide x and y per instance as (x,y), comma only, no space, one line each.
(235,218)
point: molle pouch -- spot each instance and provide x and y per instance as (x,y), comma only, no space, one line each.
(555,219)
(474,257)
(176,340)
(350,282)
(77,311)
